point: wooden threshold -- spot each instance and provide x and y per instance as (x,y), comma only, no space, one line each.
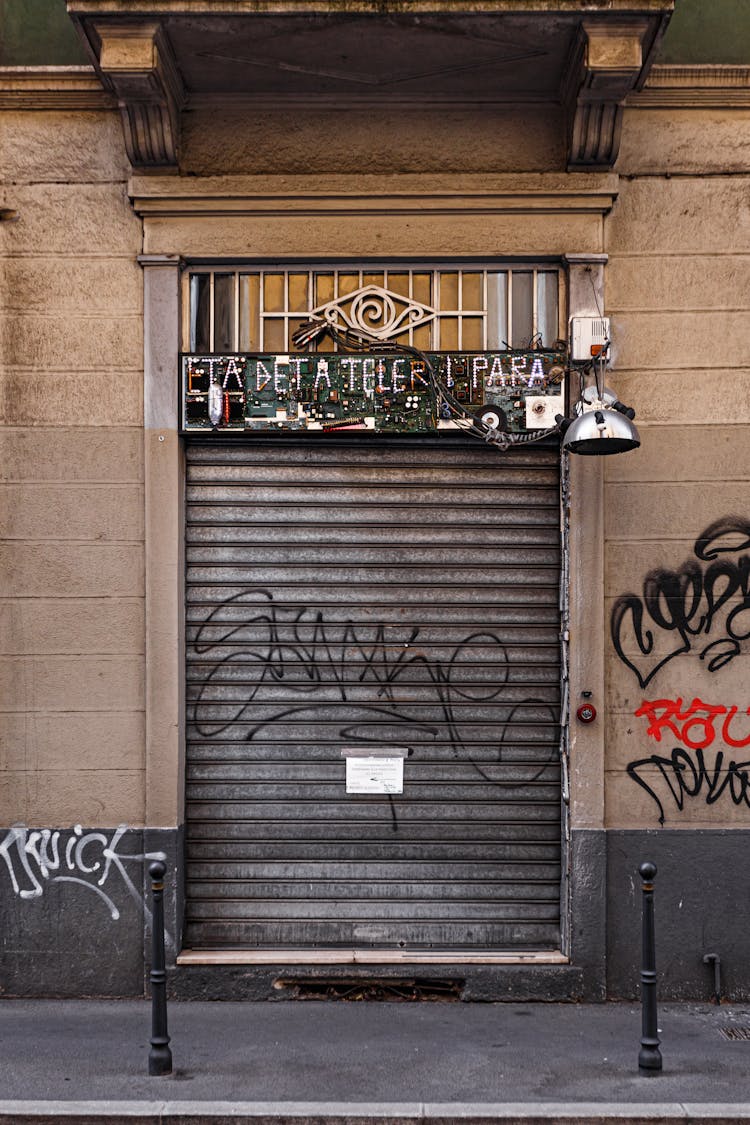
(364,957)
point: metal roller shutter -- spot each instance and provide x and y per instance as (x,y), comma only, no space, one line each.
(369,593)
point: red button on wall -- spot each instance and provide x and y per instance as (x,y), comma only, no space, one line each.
(586,713)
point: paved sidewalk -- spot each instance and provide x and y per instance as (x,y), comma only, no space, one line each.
(335,1061)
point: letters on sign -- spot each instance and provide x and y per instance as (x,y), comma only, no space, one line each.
(379,392)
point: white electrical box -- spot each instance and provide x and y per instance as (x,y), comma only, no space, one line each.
(589,336)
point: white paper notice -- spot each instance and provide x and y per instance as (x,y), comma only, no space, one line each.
(374,775)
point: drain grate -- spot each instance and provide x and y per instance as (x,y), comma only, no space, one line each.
(411,989)
(735,1034)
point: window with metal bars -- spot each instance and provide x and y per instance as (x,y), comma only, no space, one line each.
(472,308)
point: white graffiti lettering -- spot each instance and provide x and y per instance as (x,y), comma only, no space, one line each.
(36,857)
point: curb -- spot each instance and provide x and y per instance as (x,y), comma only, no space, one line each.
(353,1113)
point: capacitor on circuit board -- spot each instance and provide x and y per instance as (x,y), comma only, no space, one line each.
(215,403)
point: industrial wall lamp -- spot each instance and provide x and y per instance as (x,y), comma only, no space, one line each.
(601,424)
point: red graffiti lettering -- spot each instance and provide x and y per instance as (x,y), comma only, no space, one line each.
(694,726)
(670,709)
(725,730)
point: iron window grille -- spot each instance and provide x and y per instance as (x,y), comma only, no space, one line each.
(446,308)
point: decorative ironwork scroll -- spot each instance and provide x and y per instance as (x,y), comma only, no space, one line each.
(375,310)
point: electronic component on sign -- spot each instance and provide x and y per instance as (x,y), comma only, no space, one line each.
(214,392)
(215,403)
(541,410)
(493,416)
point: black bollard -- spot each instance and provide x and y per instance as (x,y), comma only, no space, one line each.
(160,1056)
(649,1056)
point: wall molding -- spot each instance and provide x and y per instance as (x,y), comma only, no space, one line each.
(53,88)
(694,87)
(79,87)
(343,195)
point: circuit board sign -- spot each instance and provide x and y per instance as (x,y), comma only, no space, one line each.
(385,393)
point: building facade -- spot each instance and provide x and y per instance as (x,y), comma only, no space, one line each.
(397,697)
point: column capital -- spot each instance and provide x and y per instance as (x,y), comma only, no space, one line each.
(160,260)
(585,259)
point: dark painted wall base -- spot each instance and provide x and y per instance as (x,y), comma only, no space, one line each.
(587,910)
(74,923)
(74,909)
(702,892)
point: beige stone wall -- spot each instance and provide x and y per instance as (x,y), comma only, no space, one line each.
(374,138)
(71,515)
(679,298)
(72,519)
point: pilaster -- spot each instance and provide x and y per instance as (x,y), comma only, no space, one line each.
(587,624)
(164,489)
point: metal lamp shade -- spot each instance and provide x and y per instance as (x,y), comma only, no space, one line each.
(600,432)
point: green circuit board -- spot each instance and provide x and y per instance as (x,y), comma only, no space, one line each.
(385,393)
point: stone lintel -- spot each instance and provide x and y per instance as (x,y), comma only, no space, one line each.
(342,194)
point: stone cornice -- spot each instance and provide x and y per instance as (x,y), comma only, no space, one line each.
(342,195)
(53,87)
(130,43)
(694,87)
(79,88)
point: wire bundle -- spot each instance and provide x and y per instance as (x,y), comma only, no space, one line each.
(358,341)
